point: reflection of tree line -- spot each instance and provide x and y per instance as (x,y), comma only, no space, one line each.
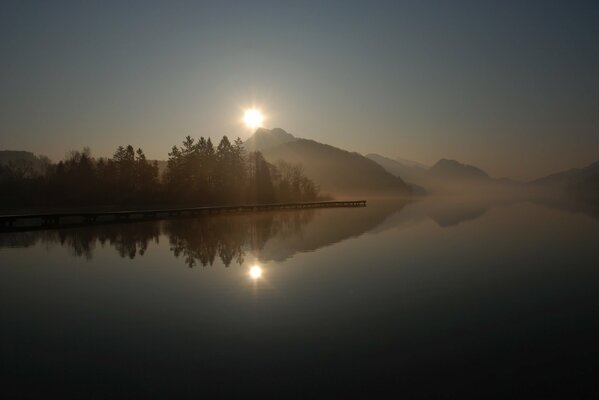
(129,240)
(197,241)
(229,236)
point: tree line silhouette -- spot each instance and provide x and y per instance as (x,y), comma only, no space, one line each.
(197,173)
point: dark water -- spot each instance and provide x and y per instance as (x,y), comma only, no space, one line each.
(436,298)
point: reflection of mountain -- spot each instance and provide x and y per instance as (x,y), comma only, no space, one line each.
(331,226)
(270,236)
(586,189)
(446,211)
(336,171)
(572,204)
(450,211)
(453,213)
(267,236)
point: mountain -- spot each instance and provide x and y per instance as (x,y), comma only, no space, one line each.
(265,138)
(569,177)
(410,163)
(454,170)
(7,156)
(576,183)
(447,176)
(22,158)
(412,173)
(336,171)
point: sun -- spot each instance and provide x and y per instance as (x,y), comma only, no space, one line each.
(253,118)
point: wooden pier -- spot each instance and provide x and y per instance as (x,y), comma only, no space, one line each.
(53,220)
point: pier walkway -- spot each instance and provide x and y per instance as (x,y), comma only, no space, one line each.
(51,220)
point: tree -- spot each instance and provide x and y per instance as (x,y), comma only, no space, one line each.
(260,187)
(196,174)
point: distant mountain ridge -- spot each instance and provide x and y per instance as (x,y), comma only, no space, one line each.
(413,173)
(16,155)
(581,183)
(23,158)
(570,176)
(453,176)
(452,169)
(410,163)
(337,171)
(265,138)
(445,176)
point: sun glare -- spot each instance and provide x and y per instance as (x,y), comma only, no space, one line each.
(255,272)
(253,118)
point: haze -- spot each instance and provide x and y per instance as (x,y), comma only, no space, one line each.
(511,88)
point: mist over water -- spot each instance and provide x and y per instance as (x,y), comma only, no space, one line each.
(444,295)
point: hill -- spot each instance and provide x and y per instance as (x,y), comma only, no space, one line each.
(454,170)
(569,177)
(7,156)
(337,171)
(266,138)
(446,176)
(411,163)
(579,183)
(23,159)
(412,172)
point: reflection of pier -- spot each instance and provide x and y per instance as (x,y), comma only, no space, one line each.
(36,221)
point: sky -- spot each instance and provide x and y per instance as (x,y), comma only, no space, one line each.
(509,86)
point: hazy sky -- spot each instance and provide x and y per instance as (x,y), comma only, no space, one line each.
(510,86)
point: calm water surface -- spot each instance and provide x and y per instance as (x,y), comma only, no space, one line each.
(427,299)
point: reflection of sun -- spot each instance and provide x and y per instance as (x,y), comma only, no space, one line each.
(253,118)
(255,272)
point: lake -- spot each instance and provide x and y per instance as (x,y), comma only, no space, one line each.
(433,298)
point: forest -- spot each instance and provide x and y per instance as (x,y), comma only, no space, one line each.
(197,174)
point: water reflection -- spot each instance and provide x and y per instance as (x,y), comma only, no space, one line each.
(255,272)
(268,236)
(435,288)
(129,240)
(200,241)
